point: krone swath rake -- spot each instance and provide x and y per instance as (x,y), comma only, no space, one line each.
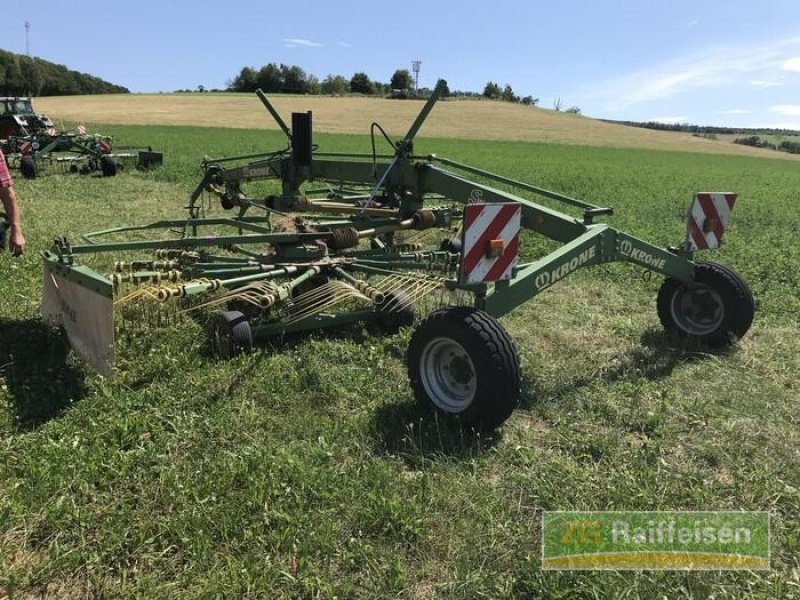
(31,141)
(375,238)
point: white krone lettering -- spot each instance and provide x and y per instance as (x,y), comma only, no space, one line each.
(647,259)
(547,279)
(572,265)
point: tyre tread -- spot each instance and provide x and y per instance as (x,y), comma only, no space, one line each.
(737,296)
(494,345)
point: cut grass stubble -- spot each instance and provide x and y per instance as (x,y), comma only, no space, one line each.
(306,469)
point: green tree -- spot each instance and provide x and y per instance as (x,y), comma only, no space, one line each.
(401,80)
(313,85)
(361,84)
(492,91)
(335,84)
(269,78)
(294,80)
(15,85)
(31,75)
(508,94)
(245,81)
(20,75)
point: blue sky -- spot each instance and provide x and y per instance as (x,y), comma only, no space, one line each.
(734,63)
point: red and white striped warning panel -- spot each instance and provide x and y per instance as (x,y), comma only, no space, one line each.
(708,217)
(490,241)
(51,131)
(26,147)
(81,129)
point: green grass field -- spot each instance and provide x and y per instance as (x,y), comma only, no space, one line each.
(306,470)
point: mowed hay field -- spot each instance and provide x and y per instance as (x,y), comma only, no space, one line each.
(459,119)
(306,469)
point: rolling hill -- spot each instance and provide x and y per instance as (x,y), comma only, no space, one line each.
(461,119)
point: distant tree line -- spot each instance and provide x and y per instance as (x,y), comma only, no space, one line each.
(758,142)
(492,91)
(688,128)
(751,136)
(291,79)
(21,75)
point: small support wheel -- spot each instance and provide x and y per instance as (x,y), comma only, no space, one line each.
(395,310)
(717,309)
(452,245)
(231,335)
(108,166)
(27,167)
(463,364)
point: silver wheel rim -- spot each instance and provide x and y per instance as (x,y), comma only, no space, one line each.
(698,311)
(448,375)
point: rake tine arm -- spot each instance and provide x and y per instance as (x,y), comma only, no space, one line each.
(265,101)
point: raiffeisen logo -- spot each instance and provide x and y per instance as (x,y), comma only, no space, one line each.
(656,540)
(627,249)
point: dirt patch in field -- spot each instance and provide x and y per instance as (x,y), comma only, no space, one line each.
(466,119)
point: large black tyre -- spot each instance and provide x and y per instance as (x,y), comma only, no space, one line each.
(27,167)
(231,335)
(108,166)
(463,364)
(715,311)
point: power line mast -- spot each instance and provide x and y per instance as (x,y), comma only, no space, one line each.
(415,65)
(28,39)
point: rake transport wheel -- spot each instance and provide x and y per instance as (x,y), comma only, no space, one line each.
(395,310)
(108,166)
(27,167)
(462,363)
(714,311)
(231,335)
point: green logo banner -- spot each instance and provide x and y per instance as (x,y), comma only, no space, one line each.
(656,540)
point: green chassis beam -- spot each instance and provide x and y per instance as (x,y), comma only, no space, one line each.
(410,179)
(82,275)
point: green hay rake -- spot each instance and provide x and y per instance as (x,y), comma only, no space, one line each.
(353,238)
(31,143)
(72,152)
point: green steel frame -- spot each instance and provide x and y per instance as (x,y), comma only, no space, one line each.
(370,196)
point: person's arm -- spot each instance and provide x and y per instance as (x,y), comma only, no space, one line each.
(16,239)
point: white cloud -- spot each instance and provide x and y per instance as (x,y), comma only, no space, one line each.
(344,45)
(734,111)
(715,68)
(767,83)
(297,42)
(792,110)
(792,64)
